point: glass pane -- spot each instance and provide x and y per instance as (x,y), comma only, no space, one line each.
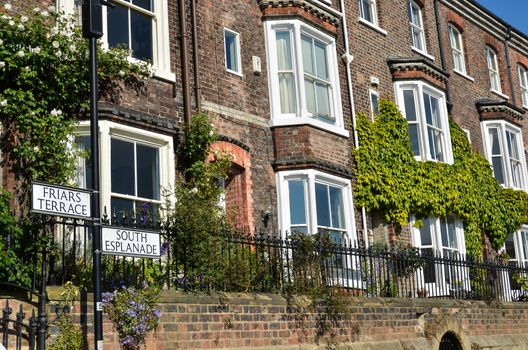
(307,55)
(427,105)
(415,140)
(510,246)
(496,163)
(297,202)
(435,112)
(231,51)
(323,101)
(145,4)
(366,12)
(284,50)
(425,233)
(146,211)
(524,245)
(122,167)
(309,90)
(415,15)
(435,144)
(320,60)
(321,203)
(141,31)
(410,109)
(429,270)
(374,104)
(287,93)
(148,173)
(84,173)
(118,26)
(494,139)
(122,207)
(337,210)
(512,145)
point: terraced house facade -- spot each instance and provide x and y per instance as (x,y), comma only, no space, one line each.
(283,82)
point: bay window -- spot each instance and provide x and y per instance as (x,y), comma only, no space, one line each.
(425,109)
(303,80)
(505,152)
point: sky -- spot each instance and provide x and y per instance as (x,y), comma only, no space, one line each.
(515,12)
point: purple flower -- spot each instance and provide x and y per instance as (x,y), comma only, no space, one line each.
(164,248)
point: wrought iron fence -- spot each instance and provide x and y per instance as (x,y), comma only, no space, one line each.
(262,263)
(18,331)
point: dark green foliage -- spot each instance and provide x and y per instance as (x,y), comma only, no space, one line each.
(392,182)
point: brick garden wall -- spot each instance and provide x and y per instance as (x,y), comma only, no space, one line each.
(270,321)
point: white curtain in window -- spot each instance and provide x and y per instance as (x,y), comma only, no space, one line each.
(285,72)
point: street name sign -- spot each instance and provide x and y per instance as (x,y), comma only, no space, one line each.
(61,200)
(131,242)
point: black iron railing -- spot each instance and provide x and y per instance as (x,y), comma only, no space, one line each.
(262,263)
(18,331)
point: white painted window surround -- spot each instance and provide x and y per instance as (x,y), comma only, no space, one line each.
(417,27)
(504,150)
(444,238)
(457,48)
(159,22)
(304,78)
(493,70)
(144,186)
(425,109)
(233,60)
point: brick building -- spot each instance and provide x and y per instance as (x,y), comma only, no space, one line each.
(283,86)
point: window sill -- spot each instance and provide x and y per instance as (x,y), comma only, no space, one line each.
(235,72)
(165,75)
(506,97)
(296,121)
(373,26)
(464,75)
(425,54)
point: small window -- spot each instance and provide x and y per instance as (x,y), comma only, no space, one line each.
(232,52)
(374,103)
(493,69)
(368,11)
(504,150)
(416,25)
(523,82)
(455,38)
(425,109)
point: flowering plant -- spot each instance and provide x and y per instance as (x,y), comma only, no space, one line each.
(44,87)
(133,313)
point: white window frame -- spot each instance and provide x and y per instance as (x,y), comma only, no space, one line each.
(238,54)
(109,130)
(493,70)
(504,126)
(373,10)
(311,177)
(520,259)
(419,88)
(301,115)
(417,27)
(523,83)
(441,286)
(161,61)
(457,48)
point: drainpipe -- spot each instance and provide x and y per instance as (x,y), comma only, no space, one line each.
(184,62)
(196,59)
(347,58)
(442,51)
(508,63)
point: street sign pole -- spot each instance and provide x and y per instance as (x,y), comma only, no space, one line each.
(92,29)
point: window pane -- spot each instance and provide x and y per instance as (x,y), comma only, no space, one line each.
(287,93)
(494,139)
(309,90)
(118,26)
(307,54)
(122,167)
(524,245)
(425,233)
(321,203)
(231,51)
(512,145)
(374,104)
(510,246)
(148,177)
(141,29)
(284,50)
(323,102)
(320,59)
(122,207)
(415,138)
(410,109)
(84,173)
(145,4)
(297,202)
(366,12)
(435,144)
(337,207)
(498,173)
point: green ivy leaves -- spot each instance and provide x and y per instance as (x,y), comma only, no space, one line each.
(392,182)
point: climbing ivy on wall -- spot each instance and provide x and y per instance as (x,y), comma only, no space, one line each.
(391,182)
